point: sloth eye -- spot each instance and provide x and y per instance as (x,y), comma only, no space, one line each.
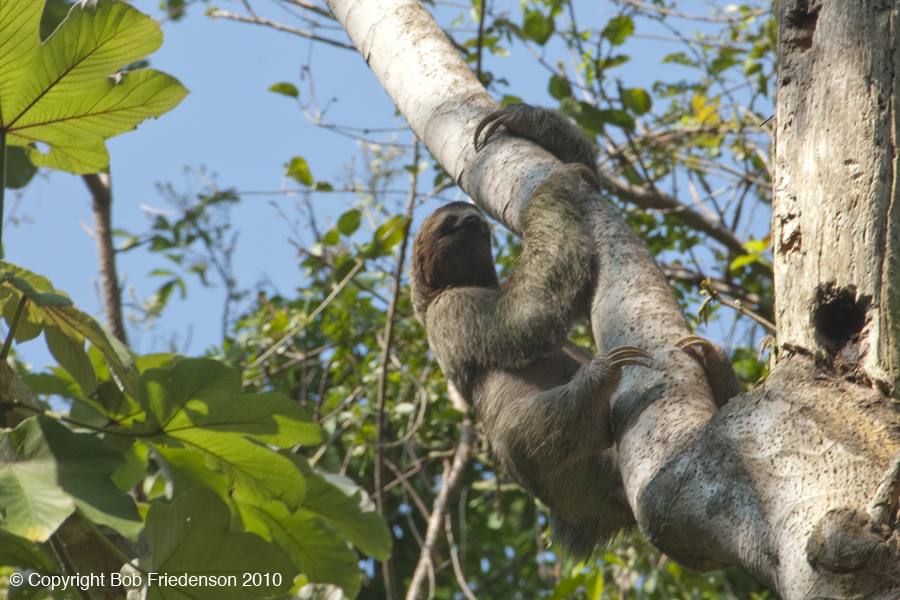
(449,219)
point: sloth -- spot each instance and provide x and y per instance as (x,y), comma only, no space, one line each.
(543,402)
(544,406)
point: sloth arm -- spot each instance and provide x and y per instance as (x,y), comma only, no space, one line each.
(513,326)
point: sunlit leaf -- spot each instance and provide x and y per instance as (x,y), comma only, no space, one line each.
(285,89)
(349,222)
(299,170)
(537,27)
(66,93)
(637,100)
(619,29)
(193,536)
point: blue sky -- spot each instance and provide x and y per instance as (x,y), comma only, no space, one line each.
(231,125)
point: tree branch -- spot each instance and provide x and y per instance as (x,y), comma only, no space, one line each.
(449,482)
(723,286)
(649,198)
(224,14)
(100,187)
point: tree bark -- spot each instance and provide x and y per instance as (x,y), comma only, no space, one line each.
(788,481)
(835,215)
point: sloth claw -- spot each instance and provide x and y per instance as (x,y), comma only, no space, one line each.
(629,361)
(690,340)
(498,119)
(627,355)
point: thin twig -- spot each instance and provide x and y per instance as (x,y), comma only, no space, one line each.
(681,273)
(280,27)
(307,320)
(449,482)
(20,307)
(674,13)
(403,480)
(714,294)
(390,577)
(654,199)
(311,7)
(457,568)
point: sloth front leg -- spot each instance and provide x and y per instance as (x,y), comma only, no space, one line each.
(549,129)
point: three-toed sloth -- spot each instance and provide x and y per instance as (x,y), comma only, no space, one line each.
(544,407)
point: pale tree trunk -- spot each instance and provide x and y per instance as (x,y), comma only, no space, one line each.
(784,478)
(835,218)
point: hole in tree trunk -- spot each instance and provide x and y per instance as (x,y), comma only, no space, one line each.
(839,316)
(800,23)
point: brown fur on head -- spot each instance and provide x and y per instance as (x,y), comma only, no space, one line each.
(452,249)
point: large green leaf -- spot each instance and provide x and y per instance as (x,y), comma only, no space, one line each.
(46,471)
(315,536)
(65,327)
(17,551)
(211,435)
(192,537)
(66,93)
(165,392)
(255,473)
(341,503)
(313,546)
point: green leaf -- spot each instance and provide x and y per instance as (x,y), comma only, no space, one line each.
(132,472)
(310,544)
(390,233)
(285,89)
(34,287)
(192,536)
(744,259)
(348,223)
(612,62)
(342,505)
(265,417)
(19,170)
(19,552)
(57,383)
(54,13)
(299,170)
(637,100)
(204,427)
(70,354)
(66,92)
(619,29)
(75,323)
(560,87)
(594,119)
(46,308)
(537,27)
(164,392)
(254,474)
(323,186)
(46,471)
(331,238)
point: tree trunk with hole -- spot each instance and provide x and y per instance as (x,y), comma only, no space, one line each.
(797,480)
